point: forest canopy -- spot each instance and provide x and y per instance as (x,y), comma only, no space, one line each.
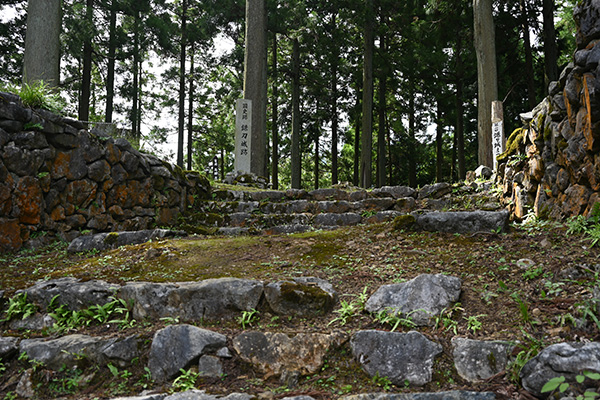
(157,67)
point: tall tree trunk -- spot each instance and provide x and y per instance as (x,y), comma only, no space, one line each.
(487,78)
(86,76)
(367,106)
(550,47)
(274,121)
(357,125)
(190,135)
(528,55)
(412,164)
(182,49)
(41,61)
(136,62)
(459,132)
(459,135)
(296,160)
(255,81)
(381,133)
(317,156)
(110,70)
(439,143)
(334,106)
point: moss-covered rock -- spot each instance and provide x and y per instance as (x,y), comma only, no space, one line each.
(403,222)
(515,140)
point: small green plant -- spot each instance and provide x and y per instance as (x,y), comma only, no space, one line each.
(146,380)
(533,273)
(558,386)
(121,381)
(394,318)
(10,396)
(530,347)
(588,226)
(186,381)
(473,322)
(349,309)
(382,381)
(247,318)
(19,306)
(170,320)
(447,319)
(38,95)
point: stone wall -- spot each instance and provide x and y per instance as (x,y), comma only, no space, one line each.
(552,164)
(58,179)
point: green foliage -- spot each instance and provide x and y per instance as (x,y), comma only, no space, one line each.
(248,318)
(349,309)
(530,347)
(115,311)
(558,386)
(186,381)
(589,227)
(120,383)
(395,319)
(382,381)
(447,319)
(19,306)
(473,322)
(38,95)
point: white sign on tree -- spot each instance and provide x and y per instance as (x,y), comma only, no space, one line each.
(243,137)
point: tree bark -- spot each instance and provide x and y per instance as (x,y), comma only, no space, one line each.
(357,124)
(136,81)
(181,119)
(86,76)
(367,105)
(439,143)
(296,160)
(110,72)
(42,42)
(275,117)
(528,56)
(412,141)
(381,132)
(334,110)
(190,127)
(487,78)
(550,47)
(255,81)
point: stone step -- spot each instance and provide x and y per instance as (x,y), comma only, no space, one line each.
(308,206)
(325,219)
(332,194)
(288,356)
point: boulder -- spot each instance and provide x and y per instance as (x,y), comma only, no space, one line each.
(463,221)
(435,191)
(211,298)
(561,359)
(71,292)
(77,350)
(304,297)
(329,219)
(396,192)
(8,347)
(277,353)
(210,366)
(103,241)
(479,360)
(179,346)
(421,298)
(400,357)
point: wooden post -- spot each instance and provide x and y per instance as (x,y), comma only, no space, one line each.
(498,139)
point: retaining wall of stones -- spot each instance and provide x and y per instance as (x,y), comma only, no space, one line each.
(552,163)
(58,179)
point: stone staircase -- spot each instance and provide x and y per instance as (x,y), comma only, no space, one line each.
(234,212)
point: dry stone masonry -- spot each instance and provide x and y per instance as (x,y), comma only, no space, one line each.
(552,164)
(58,179)
(403,358)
